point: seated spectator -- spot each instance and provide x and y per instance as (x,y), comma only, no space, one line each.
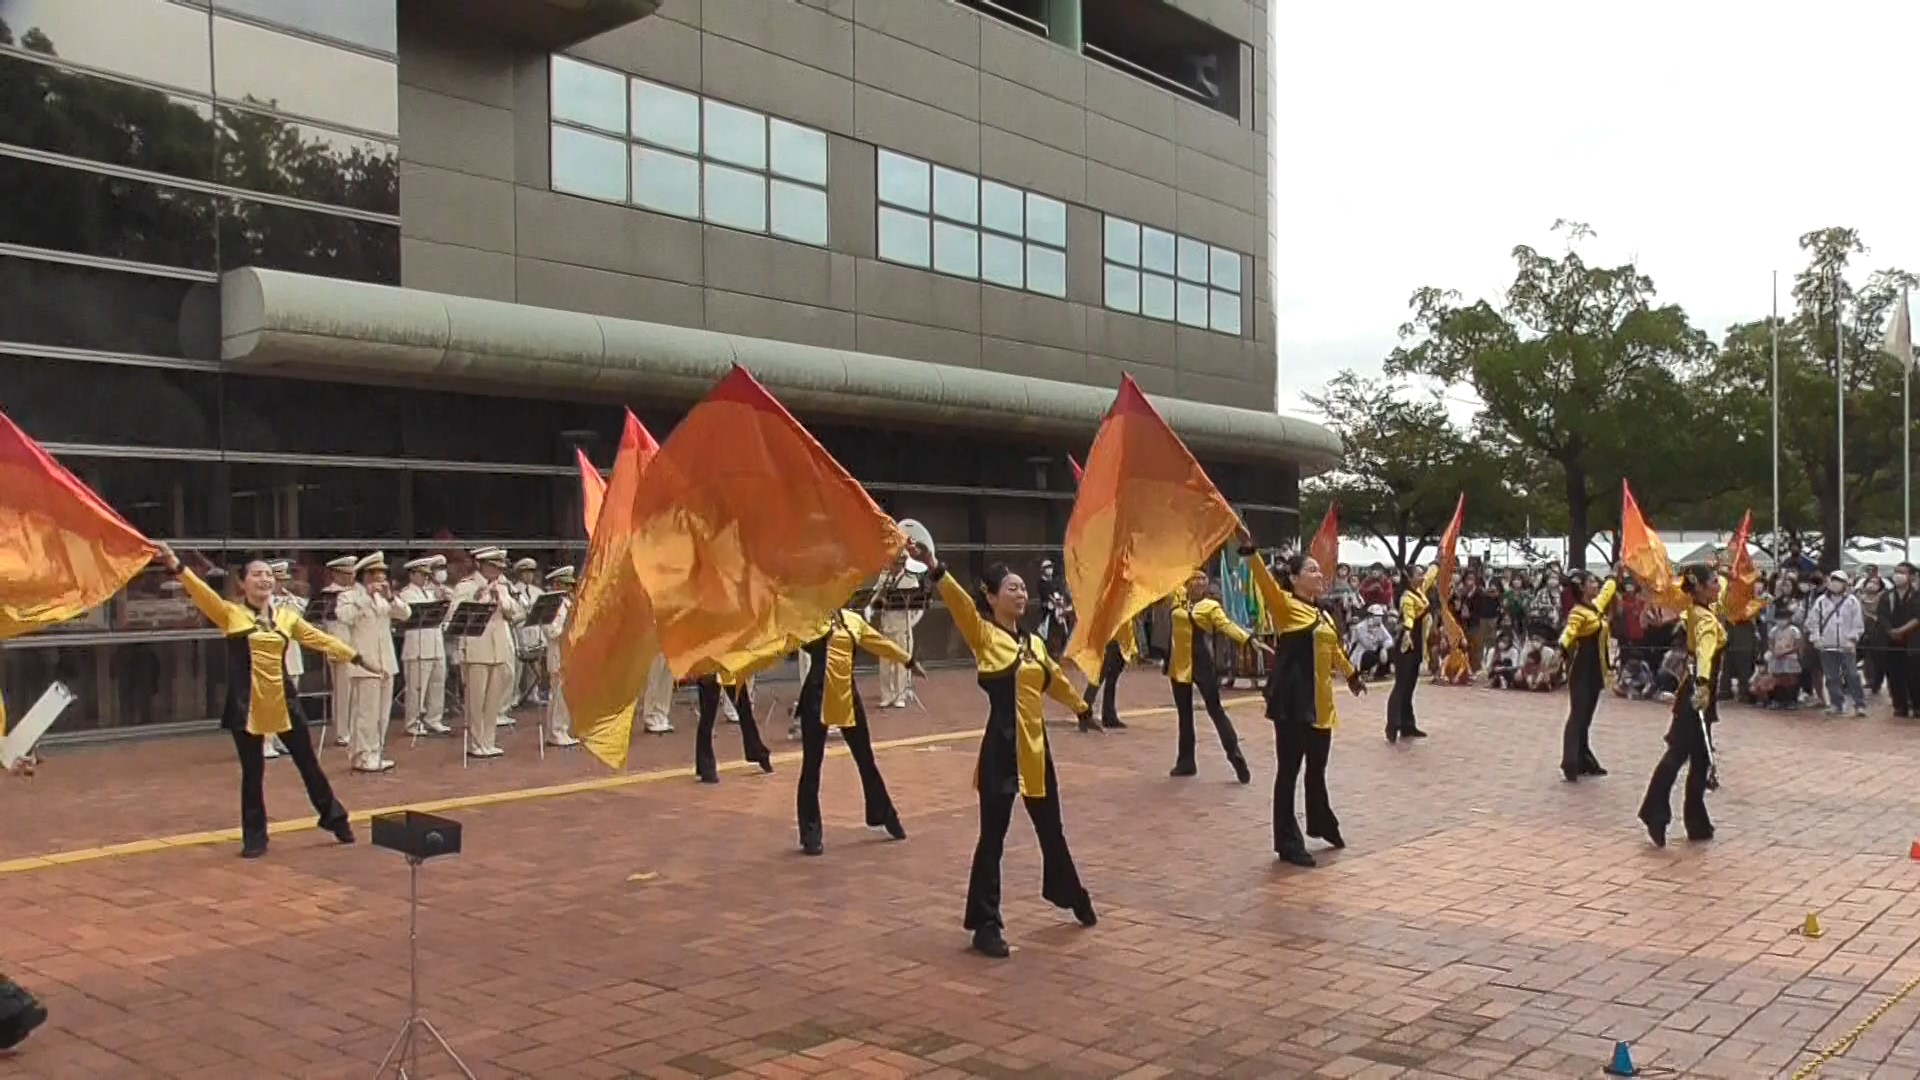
(1784,646)
(1503,662)
(1370,644)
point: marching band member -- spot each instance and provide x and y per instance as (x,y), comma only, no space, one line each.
(339,580)
(1408,655)
(530,642)
(1190,664)
(896,598)
(423,653)
(486,668)
(1017,675)
(657,706)
(559,720)
(1695,710)
(260,700)
(1585,642)
(829,698)
(369,611)
(296,662)
(1121,651)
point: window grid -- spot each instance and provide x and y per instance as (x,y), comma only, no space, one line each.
(956,223)
(1161,275)
(674,152)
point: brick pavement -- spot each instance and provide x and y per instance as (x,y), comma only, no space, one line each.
(1488,920)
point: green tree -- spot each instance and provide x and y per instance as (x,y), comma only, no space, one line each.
(1405,467)
(1580,369)
(1826,307)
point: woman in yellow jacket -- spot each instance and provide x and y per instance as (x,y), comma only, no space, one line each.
(830,699)
(1190,665)
(1696,709)
(709,687)
(261,701)
(1584,642)
(1306,657)
(1017,675)
(1409,652)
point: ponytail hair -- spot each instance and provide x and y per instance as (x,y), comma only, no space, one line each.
(1287,567)
(1696,577)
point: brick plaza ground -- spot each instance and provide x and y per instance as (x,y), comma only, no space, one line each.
(1487,919)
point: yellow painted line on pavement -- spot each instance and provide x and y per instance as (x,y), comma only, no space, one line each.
(494,798)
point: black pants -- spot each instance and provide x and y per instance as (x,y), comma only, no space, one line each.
(1111,666)
(1903,672)
(1222,723)
(1873,665)
(813,752)
(1294,743)
(751,748)
(1406,676)
(1059,881)
(1686,745)
(1576,752)
(253,774)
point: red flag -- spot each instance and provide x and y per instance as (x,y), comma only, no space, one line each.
(1642,553)
(63,551)
(1325,548)
(1741,598)
(1079,473)
(593,489)
(1449,562)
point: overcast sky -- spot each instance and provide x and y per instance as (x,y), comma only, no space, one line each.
(1417,143)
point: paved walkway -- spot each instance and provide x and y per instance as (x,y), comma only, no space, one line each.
(1488,920)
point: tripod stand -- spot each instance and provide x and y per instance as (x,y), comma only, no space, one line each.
(405,1050)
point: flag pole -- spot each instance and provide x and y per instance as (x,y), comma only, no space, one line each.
(1906,437)
(1774,325)
(1840,417)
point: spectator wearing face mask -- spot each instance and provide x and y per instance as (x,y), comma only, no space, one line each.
(1875,641)
(1543,612)
(1503,662)
(1835,625)
(1783,659)
(1900,614)
(1370,647)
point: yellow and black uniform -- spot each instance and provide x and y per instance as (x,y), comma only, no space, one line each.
(1121,651)
(1190,664)
(830,698)
(1017,675)
(261,702)
(734,684)
(1300,702)
(1690,734)
(1409,651)
(1589,669)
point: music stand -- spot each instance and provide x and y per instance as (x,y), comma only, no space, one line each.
(469,620)
(543,612)
(419,837)
(426,616)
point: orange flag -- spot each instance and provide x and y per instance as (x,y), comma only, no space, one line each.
(1449,563)
(1741,598)
(1325,548)
(609,639)
(1079,474)
(63,551)
(747,531)
(1146,517)
(593,489)
(1642,553)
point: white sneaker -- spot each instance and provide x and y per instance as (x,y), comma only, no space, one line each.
(271,748)
(434,727)
(658,725)
(416,731)
(341,740)
(506,721)
(563,739)
(485,752)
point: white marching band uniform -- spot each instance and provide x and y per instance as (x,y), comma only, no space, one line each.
(487,661)
(296,662)
(898,600)
(369,619)
(656,707)
(559,720)
(530,645)
(339,684)
(423,654)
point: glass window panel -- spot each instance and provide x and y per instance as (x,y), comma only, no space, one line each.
(1122,241)
(735,135)
(451,426)
(666,182)
(151,40)
(1003,208)
(100,119)
(1156,296)
(1046,270)
(956,195)
(1193,304)
(267,414)
(736,199)
(1003,261)
(665,117)
(591,96)
(290,74)
(799,212)
(369,24)
(903,181)
(50,206)
(1226,269)
(1156,250)
(494,506)
(903,238)
(288,502)
(798,152)
(956,250)
(1123,289)
(142,682)
(1226,312)
(590,165)
(308,242)
(306,161)
(160,498)
(87,401)
(81,307)
(1193,260)
(1046,220)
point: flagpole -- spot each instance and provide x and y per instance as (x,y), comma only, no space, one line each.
(1840,417)
(1775,326)
(1906,440)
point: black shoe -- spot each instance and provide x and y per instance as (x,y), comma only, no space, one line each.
(1087,723)
(709,776)
(1300,858)
(894,828)
(342,831)
(765,761)
(1184,768)
(1414,733)
(811,845)
(990,943)
(1701,836)
(1596,770)
(1113,724)
(1083,911)
(23,1013)
(1571,776)
(1332,837)
(1241,771)
(1393,733)
(1656,833)
(253,850)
